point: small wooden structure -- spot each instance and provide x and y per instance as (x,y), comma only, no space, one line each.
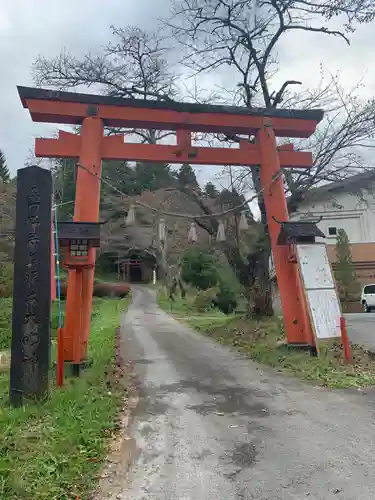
(135,270)
(78,242)
(136,265)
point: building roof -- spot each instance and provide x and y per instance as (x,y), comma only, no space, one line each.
(298,231)
(352,183)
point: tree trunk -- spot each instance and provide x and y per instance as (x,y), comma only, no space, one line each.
(254,277)
(161,258)
(256,269)
(262,303)
(263,290)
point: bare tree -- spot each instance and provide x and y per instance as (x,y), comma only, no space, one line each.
(134,65)
(243,35)
(341,145)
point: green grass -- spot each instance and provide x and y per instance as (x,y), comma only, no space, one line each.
(184,311)
(177,306)
(54,451)
(6,321)
(262,341)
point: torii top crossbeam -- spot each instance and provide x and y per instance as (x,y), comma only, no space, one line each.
(53,106)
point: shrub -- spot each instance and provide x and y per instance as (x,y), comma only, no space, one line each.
(199,268)
(204,300)
(102,289)
(122,290)
(119,290)
(345,273)
(225,299)
(63,288)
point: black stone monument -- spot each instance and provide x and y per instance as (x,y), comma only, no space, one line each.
(31,336)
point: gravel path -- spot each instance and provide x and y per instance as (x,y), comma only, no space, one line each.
(212,425)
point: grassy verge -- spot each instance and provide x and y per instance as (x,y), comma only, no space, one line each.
(178,306)
(6,321)
(262,342)
(184,311)
(54,451)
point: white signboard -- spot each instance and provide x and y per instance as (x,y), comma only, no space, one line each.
(315,267)
(320,289)
(325,313)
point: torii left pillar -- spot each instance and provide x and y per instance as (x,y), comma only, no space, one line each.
(86,209)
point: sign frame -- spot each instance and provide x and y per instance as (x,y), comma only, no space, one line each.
(322,283)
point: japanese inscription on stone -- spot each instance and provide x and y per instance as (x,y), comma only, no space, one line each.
(30,355)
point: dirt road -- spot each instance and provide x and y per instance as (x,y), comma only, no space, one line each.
(361,329)
(212,425)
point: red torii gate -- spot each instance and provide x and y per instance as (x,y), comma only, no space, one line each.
(95,112)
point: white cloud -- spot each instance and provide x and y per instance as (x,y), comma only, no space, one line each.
(39,27)
(29,28)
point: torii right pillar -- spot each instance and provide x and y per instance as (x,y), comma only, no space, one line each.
(297,323)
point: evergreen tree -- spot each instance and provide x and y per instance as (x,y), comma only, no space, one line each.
(131,181)
(199,267)
(4,170)
(345,274)
(64,178)
(231,199)
(210,190)
(186,176)
(153,176)
(118,173)
(121,175)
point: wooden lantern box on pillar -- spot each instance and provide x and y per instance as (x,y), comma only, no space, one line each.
(76,239)
(297,232)
(78,242)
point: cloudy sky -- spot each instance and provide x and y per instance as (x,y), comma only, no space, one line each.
(29,28)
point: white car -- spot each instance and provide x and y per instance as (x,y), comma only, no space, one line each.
(368,298)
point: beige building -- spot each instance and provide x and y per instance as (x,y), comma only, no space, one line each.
(350,205)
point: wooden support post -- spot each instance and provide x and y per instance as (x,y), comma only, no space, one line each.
(345,340)
(86,209)
(77,339)
(296,320)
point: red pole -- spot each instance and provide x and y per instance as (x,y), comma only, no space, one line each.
(60,359)
(296,318)
(345,340)
(86,209)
